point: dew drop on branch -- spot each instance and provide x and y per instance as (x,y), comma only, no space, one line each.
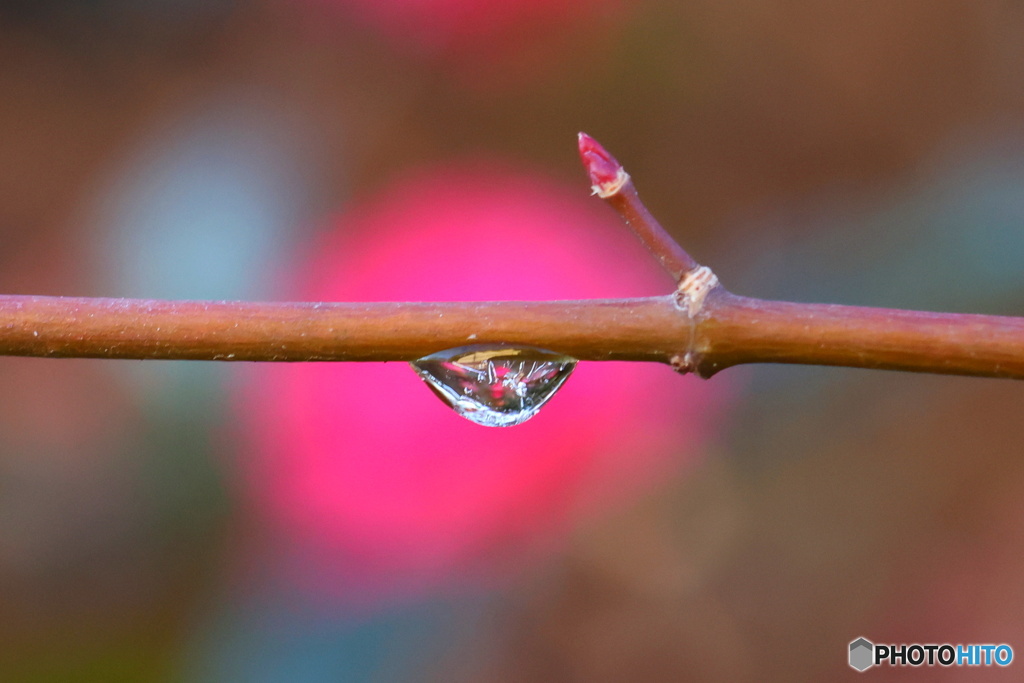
(495,385)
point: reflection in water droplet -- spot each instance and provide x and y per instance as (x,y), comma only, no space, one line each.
(492,384)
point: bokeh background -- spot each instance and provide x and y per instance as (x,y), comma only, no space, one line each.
(209,522)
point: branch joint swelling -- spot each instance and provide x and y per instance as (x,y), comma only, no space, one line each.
(694,288)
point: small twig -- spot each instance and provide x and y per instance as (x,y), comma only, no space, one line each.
(610,182)
(702,328)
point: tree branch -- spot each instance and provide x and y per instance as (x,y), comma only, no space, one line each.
(735,330)
(700,328)
(648,329)
(610,182)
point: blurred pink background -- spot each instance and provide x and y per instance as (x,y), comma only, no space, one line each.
(373,484)
(337,522)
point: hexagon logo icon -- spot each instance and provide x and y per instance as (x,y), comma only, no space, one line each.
(862,654)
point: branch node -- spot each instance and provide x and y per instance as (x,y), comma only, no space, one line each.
(684,364)
(694,288)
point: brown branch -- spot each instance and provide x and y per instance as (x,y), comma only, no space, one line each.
(701,328)
(648,329)
(733,330)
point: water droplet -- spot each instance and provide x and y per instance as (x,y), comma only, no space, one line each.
(492,384)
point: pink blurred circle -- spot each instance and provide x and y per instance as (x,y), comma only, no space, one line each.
(369,483)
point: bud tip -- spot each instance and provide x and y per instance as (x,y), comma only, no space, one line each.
(606,174)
